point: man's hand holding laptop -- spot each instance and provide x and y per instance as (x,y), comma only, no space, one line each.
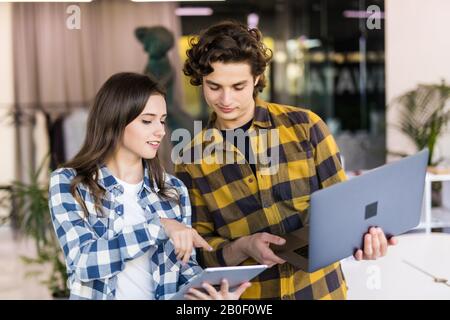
(257,246)
(375,245)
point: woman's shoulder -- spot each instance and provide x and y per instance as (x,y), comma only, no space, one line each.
(60,186)
(173,181)
(62,175)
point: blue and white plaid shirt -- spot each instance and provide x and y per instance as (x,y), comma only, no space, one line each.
(96,248)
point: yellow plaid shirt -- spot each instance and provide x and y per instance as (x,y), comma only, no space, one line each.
(229,201)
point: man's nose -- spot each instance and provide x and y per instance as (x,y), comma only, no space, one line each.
(226,97)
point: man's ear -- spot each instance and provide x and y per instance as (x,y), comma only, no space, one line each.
(256,80)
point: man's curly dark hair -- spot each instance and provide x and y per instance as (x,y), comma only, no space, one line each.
(227,41)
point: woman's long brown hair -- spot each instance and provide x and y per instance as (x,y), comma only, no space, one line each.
(119,101)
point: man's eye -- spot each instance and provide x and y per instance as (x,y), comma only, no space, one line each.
(238,88)
(163,122)
(214,88)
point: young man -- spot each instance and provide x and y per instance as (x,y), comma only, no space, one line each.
(243,207)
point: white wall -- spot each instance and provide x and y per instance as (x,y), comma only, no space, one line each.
(6,94)
(417,51)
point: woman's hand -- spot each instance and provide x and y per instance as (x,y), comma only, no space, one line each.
(184,238)
(213,294)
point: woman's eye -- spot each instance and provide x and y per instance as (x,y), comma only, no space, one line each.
(149,122)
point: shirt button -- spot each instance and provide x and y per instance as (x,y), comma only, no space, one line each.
(250,180)
(285,297)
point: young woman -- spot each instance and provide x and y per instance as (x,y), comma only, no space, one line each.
(123,223)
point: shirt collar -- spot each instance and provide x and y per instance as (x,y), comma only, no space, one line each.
(107,181)
(261,119)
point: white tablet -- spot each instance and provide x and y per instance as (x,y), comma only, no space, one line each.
(214,276)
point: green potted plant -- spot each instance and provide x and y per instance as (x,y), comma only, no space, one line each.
(32,218)
(423,116)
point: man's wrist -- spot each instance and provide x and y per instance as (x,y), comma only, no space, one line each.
(241,245)
(236,252)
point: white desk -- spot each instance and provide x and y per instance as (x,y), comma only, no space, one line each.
(391,278)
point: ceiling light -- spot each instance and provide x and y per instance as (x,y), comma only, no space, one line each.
(363,14)
(174,0)
(194,11)
(73,1)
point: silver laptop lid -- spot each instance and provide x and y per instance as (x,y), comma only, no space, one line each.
(389,197)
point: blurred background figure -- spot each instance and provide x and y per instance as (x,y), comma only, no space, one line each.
(157,41)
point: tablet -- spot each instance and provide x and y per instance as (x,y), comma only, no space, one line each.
(234,275)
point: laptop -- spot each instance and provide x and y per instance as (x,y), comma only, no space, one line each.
(389,197)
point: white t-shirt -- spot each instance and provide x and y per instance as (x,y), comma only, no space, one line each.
(135,282)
